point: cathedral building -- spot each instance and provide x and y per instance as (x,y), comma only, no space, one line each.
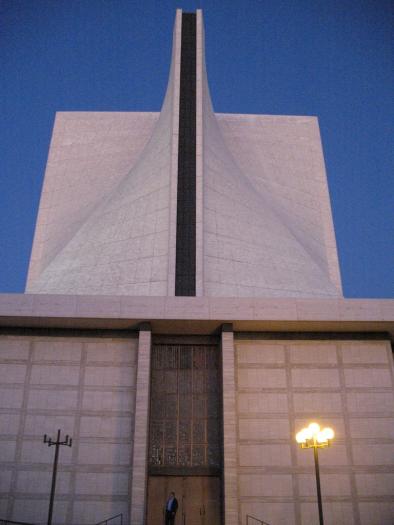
(184,319)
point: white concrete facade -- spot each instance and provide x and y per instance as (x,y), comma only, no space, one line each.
(82,364)
(107,218)
(86,387)
(104,227)
(281,386)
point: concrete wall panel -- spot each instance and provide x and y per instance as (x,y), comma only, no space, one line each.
(343,384)
(372,514)
(335,513)
(85,387)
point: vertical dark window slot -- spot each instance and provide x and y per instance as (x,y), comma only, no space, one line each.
(185,268)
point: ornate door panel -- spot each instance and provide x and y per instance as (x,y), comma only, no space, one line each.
(211,510)
(185,422)
(193,499)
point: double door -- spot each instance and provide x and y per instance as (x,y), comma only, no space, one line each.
(198,499)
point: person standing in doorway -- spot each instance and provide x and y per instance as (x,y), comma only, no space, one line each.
(171,508)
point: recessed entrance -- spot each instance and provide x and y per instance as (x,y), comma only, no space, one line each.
(198,497)
(185,435)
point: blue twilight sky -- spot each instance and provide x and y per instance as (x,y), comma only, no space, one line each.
(330,58)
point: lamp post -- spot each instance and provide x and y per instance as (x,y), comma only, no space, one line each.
(68,442)
(313,437)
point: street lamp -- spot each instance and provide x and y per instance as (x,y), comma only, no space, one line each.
(313,437)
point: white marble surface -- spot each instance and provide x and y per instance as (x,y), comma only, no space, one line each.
(246,313)
(107,219)
(104,221)
(66,384)
(268,210)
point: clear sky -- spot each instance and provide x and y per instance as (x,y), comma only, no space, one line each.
(330,58)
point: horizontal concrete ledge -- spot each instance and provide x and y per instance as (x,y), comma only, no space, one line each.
(197,315)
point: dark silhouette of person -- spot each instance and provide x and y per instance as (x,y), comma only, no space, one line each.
(171,508)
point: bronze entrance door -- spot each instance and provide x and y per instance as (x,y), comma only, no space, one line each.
(185,440)
(198,499)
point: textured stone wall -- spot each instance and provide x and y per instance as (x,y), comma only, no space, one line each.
(281,386)
(86,387)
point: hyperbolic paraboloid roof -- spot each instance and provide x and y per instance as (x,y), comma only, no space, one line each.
(185,202)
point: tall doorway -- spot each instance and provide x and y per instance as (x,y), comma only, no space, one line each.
(185,436)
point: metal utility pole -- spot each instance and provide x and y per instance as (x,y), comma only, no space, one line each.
(68,442)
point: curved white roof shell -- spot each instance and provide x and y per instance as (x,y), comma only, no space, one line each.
(107,217)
